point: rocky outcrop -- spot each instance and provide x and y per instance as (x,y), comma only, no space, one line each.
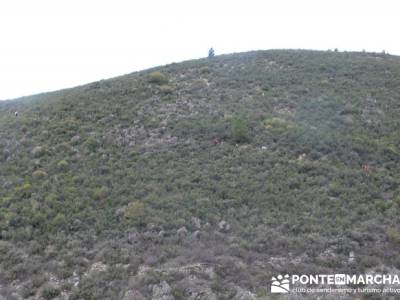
(244,295)
(224,226)
(162,291)
(133,295)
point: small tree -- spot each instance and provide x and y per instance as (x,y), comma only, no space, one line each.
(211,53)
(135,213)
(240,130)
(157,77)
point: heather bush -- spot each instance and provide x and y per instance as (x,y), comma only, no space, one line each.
(240,130)
(135,213)
(157,77)
(39,174)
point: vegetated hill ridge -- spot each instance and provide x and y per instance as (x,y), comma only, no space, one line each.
(201,180)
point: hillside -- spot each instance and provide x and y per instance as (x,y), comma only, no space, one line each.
(203,179)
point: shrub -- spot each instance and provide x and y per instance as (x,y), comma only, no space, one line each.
(166,89)
(62,165)
(382,206)
(135,213)
(157,78)
(276,125)
(205,70)
(38,151)
(24,191)
(39,174)
(100,193)
(91,144)
(240,130)
(369,261)
(393,235)
(59,220)
(50,292)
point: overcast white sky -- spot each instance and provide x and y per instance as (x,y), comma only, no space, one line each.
(52,44)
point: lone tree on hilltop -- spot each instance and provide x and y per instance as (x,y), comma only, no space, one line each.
(211,52)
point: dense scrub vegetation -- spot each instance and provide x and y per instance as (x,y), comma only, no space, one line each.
(202,178)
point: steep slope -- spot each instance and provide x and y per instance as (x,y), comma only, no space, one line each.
(202,178)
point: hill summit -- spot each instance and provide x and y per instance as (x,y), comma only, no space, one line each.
(203,179)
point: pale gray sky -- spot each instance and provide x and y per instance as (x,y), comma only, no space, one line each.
(52,44)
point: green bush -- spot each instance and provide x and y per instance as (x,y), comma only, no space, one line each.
(205,70)
(62,165)
(59,220)
(135,213)
(39,174)
(101,193)
(369,261)
(276,125)
(38,151)
(383,206)
(50,292)
(91,144)
(393,235)
(24,190)
(166,89)
(240,130)
(157,77)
